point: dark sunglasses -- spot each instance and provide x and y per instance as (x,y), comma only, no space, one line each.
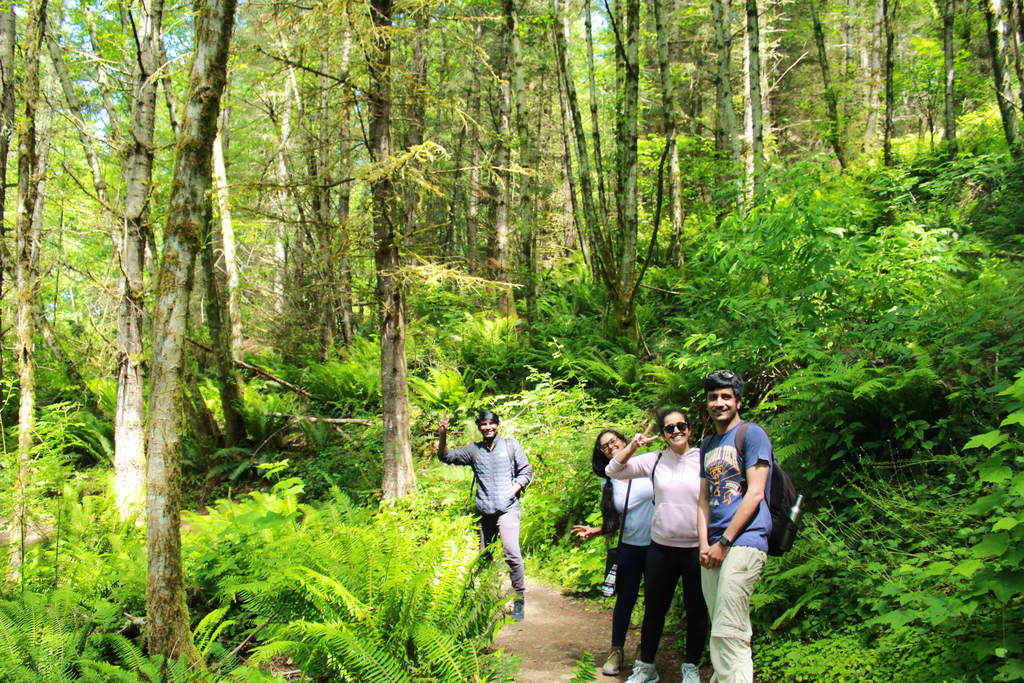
(723,374)
(677,427)
(609,446)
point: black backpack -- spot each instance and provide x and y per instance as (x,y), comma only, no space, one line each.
(781,499)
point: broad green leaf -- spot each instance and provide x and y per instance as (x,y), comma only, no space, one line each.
(1005,523)
(989,440)
(1016,418)
(994,470)
(969,568)
(992,545)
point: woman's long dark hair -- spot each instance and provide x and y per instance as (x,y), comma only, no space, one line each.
(609,515)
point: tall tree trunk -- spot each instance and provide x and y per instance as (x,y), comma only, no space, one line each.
(399,476)
(326,287)
(167,617)
(7,125)
(754,74)
(669,106)
(526,160)
(282,144)
(595,120)
(889,11)
(948,10)
(416,115)
(474,170)
(834,134)
(1004,88)
(345,195)
(625,308)
(726,135)
(25,273)
(569,202)
(590,219)
(216,320)
(874,78)
(224,240)
(503,178)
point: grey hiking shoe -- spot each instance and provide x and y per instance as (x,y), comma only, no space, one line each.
(614,663)
(643,673)
(518,608)
(691,674)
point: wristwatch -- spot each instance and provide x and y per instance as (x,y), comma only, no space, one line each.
(724,541)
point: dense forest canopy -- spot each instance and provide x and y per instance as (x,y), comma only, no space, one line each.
(253,253)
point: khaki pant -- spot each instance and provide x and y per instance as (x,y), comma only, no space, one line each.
(727,591)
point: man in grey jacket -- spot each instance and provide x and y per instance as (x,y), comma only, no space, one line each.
(502,471)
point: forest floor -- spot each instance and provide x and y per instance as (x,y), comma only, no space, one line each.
(557,631)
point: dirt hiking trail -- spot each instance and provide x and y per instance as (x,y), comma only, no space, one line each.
(557,631)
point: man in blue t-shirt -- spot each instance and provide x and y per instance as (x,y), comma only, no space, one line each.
(733,523)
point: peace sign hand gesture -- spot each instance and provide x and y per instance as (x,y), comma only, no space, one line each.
(637,442)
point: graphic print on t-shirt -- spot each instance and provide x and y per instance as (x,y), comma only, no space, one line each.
(724,475)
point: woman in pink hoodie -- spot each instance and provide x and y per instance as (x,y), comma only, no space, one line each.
(674,552)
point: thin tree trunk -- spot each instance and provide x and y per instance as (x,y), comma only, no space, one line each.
(595,120)
(756,118)
(726,134)
(948,10)
(281,172)
(416,114)
(590,219)
(7,126)
(669,107)
(503,178)
(227,376)
(344,197)
(628,193)
(834,134)
(25,274)
(874,78)
(101,78)
(129,418)
(889,11)
(474,170)
(569,203)
(526,228)
(75,110)
(1004,88)
(167,616)
(225,240)
(399,476)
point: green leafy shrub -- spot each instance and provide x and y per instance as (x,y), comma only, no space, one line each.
(349,384)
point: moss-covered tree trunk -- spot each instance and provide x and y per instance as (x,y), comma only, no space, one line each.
(7,123)
(167,614)
(399,476)
(25,268)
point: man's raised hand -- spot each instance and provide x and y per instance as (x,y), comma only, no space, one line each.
(442,426)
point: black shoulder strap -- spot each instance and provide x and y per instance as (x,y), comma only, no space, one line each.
(654,498)
(625,510)
(741,441)
(741,437)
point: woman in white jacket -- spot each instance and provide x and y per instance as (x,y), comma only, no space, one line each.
(635,501)
(674,552)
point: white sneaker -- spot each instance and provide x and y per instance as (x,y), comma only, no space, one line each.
(643,673)
(691,674)
(614,663)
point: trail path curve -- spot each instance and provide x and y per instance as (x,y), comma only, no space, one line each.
(557,631)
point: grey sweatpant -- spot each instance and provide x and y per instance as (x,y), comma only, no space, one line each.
(505,524)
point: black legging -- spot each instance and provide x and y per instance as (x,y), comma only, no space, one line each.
(665,565)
